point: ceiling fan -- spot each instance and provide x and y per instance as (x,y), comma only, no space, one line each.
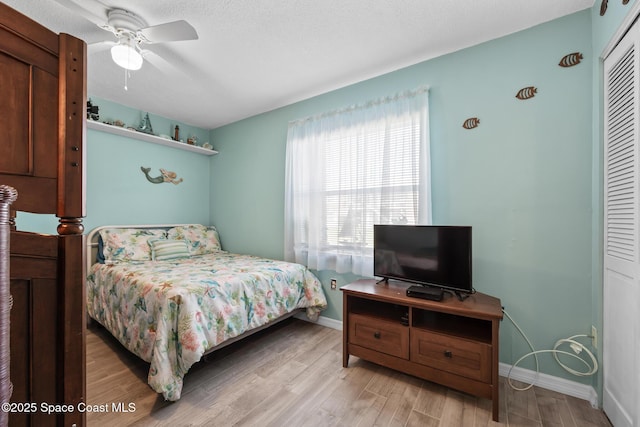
(130,30)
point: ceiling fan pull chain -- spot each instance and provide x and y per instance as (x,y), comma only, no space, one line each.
(126,73)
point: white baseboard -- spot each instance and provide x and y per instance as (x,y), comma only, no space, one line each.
(549,382)
(323,321)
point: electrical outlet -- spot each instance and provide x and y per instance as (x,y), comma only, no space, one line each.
(594,336)
(334,284)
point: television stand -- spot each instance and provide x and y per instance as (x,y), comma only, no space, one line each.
(450,342)
(461,295)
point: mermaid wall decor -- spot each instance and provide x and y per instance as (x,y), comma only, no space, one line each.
(165,176)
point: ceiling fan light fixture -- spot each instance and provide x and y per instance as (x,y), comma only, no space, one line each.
(126,55)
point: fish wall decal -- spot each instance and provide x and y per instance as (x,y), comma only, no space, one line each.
(571,59)
(526,93)
(165,176)
(471,123)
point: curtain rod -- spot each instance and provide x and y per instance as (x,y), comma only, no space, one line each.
(374,102)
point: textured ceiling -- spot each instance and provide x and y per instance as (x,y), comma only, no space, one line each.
(255,56)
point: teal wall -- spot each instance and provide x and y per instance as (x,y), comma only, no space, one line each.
(522,179)
(117,192)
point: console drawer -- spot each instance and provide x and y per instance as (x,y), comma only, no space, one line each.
(379,335)
(456,355)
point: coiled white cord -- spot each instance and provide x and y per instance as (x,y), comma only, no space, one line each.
(575,346)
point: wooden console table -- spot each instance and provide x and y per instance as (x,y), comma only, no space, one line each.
(450,342)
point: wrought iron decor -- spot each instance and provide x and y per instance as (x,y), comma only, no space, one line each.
(7,196)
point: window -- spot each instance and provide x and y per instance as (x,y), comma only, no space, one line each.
(350,169)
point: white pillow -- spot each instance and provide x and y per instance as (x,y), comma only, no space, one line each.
(128,244)
(199,238)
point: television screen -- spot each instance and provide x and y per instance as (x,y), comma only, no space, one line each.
(425,254)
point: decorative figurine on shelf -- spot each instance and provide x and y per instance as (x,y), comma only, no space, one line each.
(176,133)
(92,111)
(145,125)
(192,140)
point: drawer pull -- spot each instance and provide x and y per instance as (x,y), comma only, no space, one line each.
(447,353)
(376,335)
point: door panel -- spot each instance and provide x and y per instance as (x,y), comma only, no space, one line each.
(15,154)
(35,318)
(34,359)
(619,327)
(45,124)
(621,275)
(29,155)
(38,48)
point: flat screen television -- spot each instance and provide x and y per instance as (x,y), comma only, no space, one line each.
(428,255)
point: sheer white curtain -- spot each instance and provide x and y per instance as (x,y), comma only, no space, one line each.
(349,169)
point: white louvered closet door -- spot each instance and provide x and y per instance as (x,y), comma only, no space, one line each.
(621,293)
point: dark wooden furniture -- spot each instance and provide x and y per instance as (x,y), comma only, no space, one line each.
(43,92)
(450,342)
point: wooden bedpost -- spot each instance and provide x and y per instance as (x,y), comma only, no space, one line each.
(7,196)
(72,101)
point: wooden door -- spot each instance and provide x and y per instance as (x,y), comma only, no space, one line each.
(621,281)
(43,92)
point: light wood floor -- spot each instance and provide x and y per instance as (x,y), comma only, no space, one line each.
(291,375)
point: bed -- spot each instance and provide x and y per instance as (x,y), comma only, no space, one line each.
(170,294)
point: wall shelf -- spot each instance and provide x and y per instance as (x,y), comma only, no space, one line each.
(117,130)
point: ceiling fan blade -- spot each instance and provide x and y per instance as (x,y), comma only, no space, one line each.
(99,46)
(164,59)
(171,31)
(93,11)
(158,62)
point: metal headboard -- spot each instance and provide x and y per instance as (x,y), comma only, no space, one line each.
(93,235)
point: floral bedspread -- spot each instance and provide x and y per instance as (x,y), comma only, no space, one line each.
(170,312)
